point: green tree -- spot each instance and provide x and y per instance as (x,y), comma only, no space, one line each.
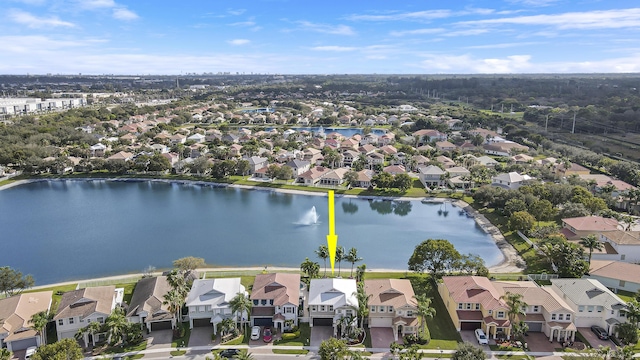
(542,210)
(516,307)
(116,324)
(627,333)
(514,205)
(402,182)
(244,356)
(323,253)
(591,242)
(353,258)
(12,281)
(340,255)
(241,304)
(189,263)
(5,354)
(467,351)
(159,163)
(624,352)
(522,221)
(310,268)
(39,323)
(568,258)
(65,349)
(633,311)
(436,256)
(175,300)
(350,178)
(363,303)
(383,180)
(333,349)
(424,311)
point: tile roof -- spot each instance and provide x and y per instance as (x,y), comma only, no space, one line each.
(623,237)
(214,292)
(617,270)
(336,292)
(148,296)
(390,292)
(592,223)
(16,312)
(282,288)
(84,302)
(473,289)
(587,292)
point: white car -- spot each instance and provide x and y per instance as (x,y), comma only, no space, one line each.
(255,333)
(482,338)
(30,351)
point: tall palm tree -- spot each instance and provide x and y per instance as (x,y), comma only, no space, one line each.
(363,303)
(591,242)
(239,305)
(244,356)
(175,300)
(339,257)
(116,324)
(227,325)
(633,311)
(178,282)
(39,323)
(323,253)
(353,258)
(424,310)
(515,306)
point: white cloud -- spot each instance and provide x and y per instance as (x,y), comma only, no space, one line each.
(34,22)
(236,11)
(333,48)
(336,29)
(417,32)
(399,16)
(239,42)
(466,32)
(96,4)
(31,2)
(536,3)
(599,19)
(122,13)
(502,45)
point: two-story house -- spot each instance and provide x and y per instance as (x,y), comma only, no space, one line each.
(578,227)
(275,299)
(392,304)
(331,300)
(474,303)
(16,311)
(80,307)
(510,181)
(431,176)
(208,301)
(147,306)
(592,303)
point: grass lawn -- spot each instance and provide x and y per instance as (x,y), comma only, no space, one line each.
(7,181)
(123,349)
(302,340)
(290,351)
(177,352)
(184,340)
(133,357)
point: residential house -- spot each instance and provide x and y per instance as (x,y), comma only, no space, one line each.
(374,159)
(198,150)
(312,176)
(121,156)
(506,148)
(388,150)
(97,150)
(487,161)
(349,144)
(177,139)
(367,149)
(431,176)
(419,160)
(364,179)
(235,150)
(392,304)
(256,163)
(208,301)
(172,157)
(147,306)
(615,275)
(429,135)
(16,332)
(275,298)
(160,148)
(313,156)
(522,159)
(546,311)
(459,177)
(80,307)
(446,162)
(445,146)
(334,177)
(197,138)
(299,167)
(349,156)
(579,227)
(574,169)
(370,138)
(395,169)
(620,245)
(474,303)
(333,301)
(387,139)
(128,138)
(592,303)
(510,181)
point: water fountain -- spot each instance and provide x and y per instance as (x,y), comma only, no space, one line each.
(309,218)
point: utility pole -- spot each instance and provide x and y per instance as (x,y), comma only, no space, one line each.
(573,129)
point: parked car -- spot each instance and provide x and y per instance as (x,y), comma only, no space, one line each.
(482,338)
(600,332)
(255,333)
(30,351)
(266,336)
(229,353)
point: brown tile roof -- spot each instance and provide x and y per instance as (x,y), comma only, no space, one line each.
(469,315)
(281,287)
(473,289)
(615,270)
(16,312)
(624,237)
(499,322)
(534,295)
(390,292)
(412,321)
(592,223)
(84,302)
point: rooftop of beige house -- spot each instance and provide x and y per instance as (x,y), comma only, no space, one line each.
(281,287)
(390,292)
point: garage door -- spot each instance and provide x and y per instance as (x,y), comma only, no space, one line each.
(535,326)
(380,322)
(263,322)
(161,325)
(23,344)
(470,325)
(202,322)
(322,322)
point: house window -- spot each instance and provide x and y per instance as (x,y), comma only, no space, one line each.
(330,307)
(536,308)
(460,306)
(313,308)
(207,308)
(381,309)
(469,306)
(263,302)
(255,302)
(201,308)
(568,317)
(270,301)
(390,309)
(490,312)
(60,322)
(288,310)
(477,306)
(560,316)
(553,316)
(409,313)
(581,308)
(70,321)
(599,308)
(622,314)
(622,283)
(373,308)
(622,256)
(590,308)
(500,314)
(323,308)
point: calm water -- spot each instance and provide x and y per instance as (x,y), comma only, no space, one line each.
(63,230)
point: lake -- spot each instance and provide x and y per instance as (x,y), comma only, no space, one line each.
(75,229)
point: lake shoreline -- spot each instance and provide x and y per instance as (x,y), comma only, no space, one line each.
(511,262)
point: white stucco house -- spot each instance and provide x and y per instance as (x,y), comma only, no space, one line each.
(615,275)
(331,300)
(208,301)
(510,181)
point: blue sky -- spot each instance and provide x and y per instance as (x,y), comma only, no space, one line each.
(319,37)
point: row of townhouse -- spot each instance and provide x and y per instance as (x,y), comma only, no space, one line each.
(558,310)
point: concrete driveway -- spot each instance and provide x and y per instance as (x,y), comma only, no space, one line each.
(594,340)
(539,342)
(382,337)
(470,337)
(201,336)
(159,339)
(320,333)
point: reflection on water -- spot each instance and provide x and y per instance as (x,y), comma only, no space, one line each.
(385,207)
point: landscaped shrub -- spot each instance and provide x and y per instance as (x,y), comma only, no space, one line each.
(290,336)
(415,339)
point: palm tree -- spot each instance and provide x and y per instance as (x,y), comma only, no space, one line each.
(227,325)
(339,257)
(352,257)
(244,356)
(39,323)
(5,354)
(424,310)
(633,311)
(323,253)
(116,324)
(363,303)
(516,306)
(239,305)
(178,282)
(591,242)
(175,300)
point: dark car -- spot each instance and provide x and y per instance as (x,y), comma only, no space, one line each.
(602,333)
(229,353)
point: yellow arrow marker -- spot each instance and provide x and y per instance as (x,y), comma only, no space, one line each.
(332,238)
